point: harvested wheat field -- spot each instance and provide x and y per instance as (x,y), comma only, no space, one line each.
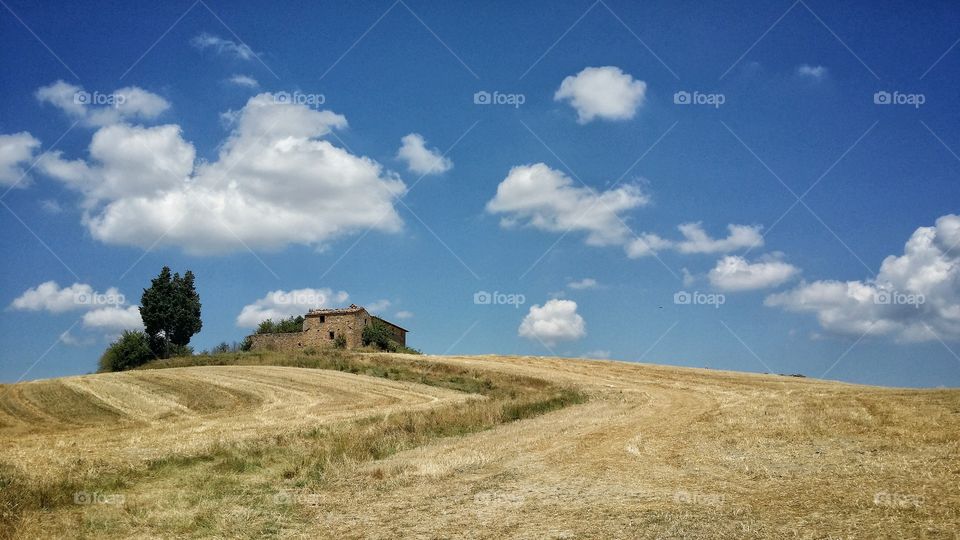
(390,446)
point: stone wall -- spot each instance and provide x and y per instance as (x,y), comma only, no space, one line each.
(397,334)
(349,325)
(322,330)
(278,342)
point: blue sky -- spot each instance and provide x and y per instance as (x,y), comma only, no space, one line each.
(685,183)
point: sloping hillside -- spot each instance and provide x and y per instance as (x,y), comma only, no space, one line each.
(646,451)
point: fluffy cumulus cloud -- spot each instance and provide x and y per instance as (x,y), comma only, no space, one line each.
(697,241)
(276,181)
(16,152)
(114,318)
(734,273)
(50,297)
(101,109)
(245,81)
(914,297)
(281,304)
(605,92)
(555,321)
(546,199)
(223,46)
(419,158)
(102,310)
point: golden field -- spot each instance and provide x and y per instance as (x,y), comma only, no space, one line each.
(352,445)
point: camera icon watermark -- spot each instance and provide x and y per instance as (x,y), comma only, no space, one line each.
(96,497)
(496,298)
(299,98)
(883,97)
(483,97)
(82,97)
(696,298)
(683,97)
(896,298)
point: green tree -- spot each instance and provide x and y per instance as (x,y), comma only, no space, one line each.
(186,310)
(377,334)
(170,309)
(130,350)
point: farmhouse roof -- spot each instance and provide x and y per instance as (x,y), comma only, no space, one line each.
(351,309)
(335,311)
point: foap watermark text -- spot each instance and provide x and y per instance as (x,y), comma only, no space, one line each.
(683,97)
(497,298)
(498,98)
(884,97)
(697,298)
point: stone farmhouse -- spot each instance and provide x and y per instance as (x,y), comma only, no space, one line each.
(322,326)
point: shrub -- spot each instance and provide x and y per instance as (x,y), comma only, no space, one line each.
(377,334)
(340,342)
(246,344)
(284,326)
(175,350)
(398,348)
(130,350)
(266,327)
(222,348)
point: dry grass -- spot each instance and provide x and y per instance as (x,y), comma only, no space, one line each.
(301,438)
(656,452)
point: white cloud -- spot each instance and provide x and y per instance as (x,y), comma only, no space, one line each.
(602,92)
(103,310)
(734,273)
(16,151)
(419,158)
(403,315)
(223,46)
(555,321)
(51,206)
(49,296)
(69,339)
(697,241)
(97,109)
(914,297)
(275,182)
(646,244)
(599,353)
(244,80)
(378,306)
(114,318)
(812,72)
(546,199)
(585,283)
(281,304)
